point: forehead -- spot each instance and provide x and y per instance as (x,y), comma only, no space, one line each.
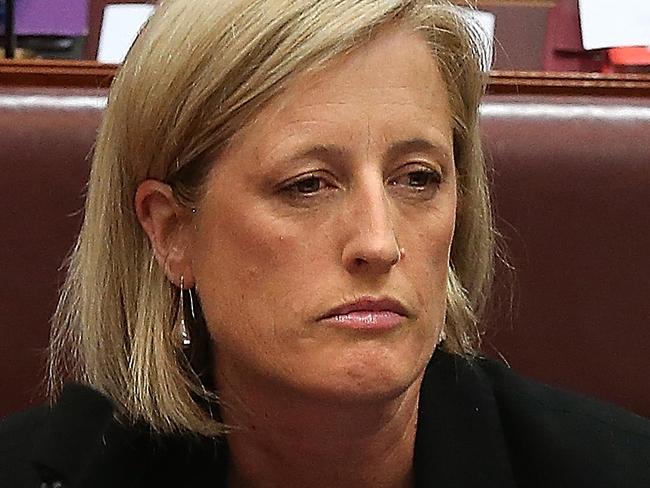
(389,88)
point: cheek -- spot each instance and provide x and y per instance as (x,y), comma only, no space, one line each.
(427,256)
(244,262)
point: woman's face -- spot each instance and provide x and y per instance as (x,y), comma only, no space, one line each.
(342,192)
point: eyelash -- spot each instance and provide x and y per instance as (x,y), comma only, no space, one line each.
(432,183)
(292,188)
(433,179)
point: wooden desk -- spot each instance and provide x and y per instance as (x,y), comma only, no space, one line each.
(56,73)
(90,74)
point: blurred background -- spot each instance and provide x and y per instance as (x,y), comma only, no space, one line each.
(525,35)
(51,29)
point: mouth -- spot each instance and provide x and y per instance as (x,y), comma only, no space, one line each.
(368,313)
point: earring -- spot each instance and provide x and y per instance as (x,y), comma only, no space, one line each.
(442,336)
(188,295)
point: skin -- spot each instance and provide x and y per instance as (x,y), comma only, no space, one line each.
(317,203)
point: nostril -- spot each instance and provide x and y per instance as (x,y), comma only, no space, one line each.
(360,262)
(399,255)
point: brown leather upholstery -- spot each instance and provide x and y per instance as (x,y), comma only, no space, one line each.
(45,138)
(572,188)
(572,192)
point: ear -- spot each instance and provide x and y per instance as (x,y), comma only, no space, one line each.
(167,223)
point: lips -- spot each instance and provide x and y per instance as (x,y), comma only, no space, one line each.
(368,313)
(369,305)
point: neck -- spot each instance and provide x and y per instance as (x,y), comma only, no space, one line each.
(288,440)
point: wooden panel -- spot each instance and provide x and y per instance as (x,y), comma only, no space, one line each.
(56,74)
(579,84)
(90,74)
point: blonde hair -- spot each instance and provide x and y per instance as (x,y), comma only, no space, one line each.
(198,72)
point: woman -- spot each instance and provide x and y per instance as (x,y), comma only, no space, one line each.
(286,248)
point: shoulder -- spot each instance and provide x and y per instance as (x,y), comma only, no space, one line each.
(17,438)
(80,441)
(46,442)
(565,436)
(18,428)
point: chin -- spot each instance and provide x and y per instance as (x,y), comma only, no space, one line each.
(371,375)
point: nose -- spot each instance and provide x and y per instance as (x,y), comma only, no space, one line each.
(372,245)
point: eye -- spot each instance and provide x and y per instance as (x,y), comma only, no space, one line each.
(419,180)
(422,179)
(306,185)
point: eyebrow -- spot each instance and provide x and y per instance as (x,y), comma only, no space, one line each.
(418,145)
(324,152)
(332,153)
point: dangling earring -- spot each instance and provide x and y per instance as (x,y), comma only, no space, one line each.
(442,336)
(186,340)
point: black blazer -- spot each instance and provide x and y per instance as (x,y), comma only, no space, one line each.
(479,425)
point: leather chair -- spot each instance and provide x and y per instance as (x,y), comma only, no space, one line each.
(46,136)
(570,176)
(572,198)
